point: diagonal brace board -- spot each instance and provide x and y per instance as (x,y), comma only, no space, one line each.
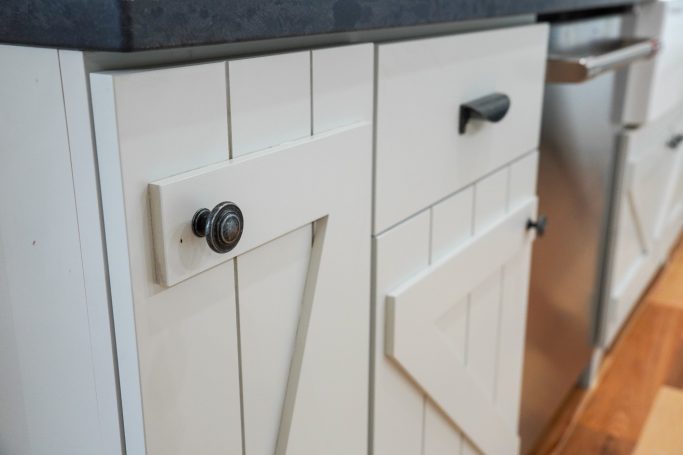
(301,337)
(631,189)
(414,342)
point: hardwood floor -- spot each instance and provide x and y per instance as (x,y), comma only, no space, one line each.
(663,432)
(645,362)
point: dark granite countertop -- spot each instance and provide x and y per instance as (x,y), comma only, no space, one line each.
(128,25)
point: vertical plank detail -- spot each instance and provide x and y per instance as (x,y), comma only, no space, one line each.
(151,124)
(272,91)
(398,405)
(342,91)
(270,294)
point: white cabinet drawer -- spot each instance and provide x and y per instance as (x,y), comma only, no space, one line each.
(655,87)
(450,314)
(262,349)
(421,85)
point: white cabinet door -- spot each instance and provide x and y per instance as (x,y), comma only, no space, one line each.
(671,221)
(450,315)
(649,214)
(263,349)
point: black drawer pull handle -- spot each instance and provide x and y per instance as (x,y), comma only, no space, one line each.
(539,225)
(491,108)
(222,226)
(675,141)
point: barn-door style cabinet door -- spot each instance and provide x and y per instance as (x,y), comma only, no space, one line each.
(457,125)
(236,199)
(452,286)
(650,212)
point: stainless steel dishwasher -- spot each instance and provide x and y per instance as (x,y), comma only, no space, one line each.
(579,171)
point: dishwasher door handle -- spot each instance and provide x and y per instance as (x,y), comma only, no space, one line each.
(568,68)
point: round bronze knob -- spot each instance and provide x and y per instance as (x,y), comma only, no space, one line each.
(221,226)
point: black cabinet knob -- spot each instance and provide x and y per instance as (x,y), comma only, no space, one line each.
(675,141)
(539,225)
(221,226)
(491,108)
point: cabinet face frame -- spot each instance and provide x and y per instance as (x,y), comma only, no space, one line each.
(170,337)
(59,388)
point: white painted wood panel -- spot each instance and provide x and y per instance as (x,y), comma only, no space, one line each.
(412,341)
(48,397)
(482,333)
(440,437)
(647,179)
(452,223)
(469,449)
(523,177)
(342,86)
(249,182)
(651,175)
(151,124)
(322,287)
(398,405)
(421,84)
(490,195)
(461,341)
(515,297)
(272,91)
(451,226)
(671,222)
(511,338)
(630,247)
(453,325)
(91,232)
(189,366)
(270,282)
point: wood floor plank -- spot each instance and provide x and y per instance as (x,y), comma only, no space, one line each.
(588,441)
(620,404)
(663,432)
(647,355)
(563,422)
(668,289)
(677,253)
(675,378)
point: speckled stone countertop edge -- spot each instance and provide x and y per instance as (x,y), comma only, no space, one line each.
(132,25)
